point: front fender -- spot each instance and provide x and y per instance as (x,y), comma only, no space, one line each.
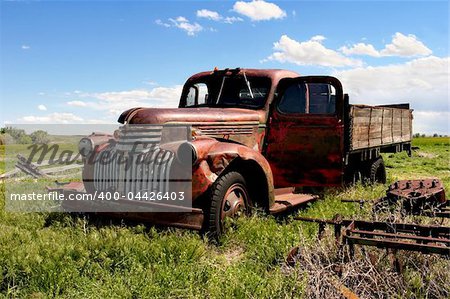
(218,156)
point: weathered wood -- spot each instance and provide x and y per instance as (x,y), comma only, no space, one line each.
(34,170)
(28,168)
(373,126)
(9,174)
(61,168)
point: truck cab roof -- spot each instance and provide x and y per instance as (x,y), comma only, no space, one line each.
(273,74)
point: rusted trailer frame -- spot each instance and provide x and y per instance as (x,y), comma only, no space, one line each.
(425,197)
(413,237)
(415,196)
(443,211)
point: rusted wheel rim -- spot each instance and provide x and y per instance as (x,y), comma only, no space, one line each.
(235,201)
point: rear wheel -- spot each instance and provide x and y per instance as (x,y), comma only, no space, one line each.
(353,174)
(356,176)
(377,171)
(229,199)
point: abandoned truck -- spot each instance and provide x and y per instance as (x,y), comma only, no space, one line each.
(260,138)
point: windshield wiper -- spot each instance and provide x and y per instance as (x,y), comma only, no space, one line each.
(248,86)
(220,90)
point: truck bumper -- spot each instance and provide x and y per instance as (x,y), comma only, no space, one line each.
(191,218)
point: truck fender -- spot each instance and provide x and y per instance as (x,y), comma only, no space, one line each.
(220,156)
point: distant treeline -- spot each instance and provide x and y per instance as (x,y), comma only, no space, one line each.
(417,135)
(11,135)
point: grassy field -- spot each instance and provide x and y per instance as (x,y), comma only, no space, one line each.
(53,255)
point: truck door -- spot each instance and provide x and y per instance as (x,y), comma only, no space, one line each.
(305,145)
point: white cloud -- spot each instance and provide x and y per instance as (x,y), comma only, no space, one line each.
(310,52)
(318,38)
(161,23)
(25,47)
(150,82)
(209,14)
(231,20)
(422,82)
(360,49)
(401,45)
(157,93)
(184,24)
(259,10)
(181,23)
(53,118)
(77,104)
(115,102)
(215,16)
(42,107)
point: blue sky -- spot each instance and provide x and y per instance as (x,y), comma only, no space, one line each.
(86,61)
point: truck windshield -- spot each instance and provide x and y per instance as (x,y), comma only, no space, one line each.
(228,91)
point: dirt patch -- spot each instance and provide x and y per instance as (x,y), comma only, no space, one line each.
(233,255)
(426,155)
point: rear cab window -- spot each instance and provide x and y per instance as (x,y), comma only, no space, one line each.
(311,98)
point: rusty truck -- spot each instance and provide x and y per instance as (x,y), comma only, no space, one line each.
(261,137)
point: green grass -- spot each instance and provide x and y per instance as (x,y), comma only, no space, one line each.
(432,159)
(53,255)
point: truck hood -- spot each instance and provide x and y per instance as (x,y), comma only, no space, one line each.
(191,115)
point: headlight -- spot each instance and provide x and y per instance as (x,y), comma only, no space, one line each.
(85,146)
(187,154)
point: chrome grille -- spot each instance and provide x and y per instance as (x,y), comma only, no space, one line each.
(226,129)
(138,137)
(135,163)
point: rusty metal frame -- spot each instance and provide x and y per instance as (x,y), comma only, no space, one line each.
(403,236)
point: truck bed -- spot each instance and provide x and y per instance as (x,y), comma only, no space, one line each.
(379,126)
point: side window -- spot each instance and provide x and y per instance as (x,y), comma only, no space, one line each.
(191,96)
(202,93)
(322,98)
(197,95)
(293,99)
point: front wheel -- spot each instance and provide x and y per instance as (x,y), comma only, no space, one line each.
(229,198)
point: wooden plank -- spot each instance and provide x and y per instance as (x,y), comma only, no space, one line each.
(397,126)
(386,136)
(406,125)
(361,112)
(376,122)
(375,141)
(360,127)
(9,173)
(60,168)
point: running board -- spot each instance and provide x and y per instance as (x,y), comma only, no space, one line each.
(289,200)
